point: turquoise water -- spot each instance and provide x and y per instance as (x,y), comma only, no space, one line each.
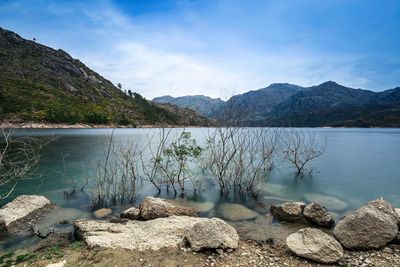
(358,165)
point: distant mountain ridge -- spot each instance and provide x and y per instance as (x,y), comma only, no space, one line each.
(38,83)
(327,104)
(203,104)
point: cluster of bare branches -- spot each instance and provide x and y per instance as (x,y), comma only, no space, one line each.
(300,146)
(19,155)
(240,158)
(115,177)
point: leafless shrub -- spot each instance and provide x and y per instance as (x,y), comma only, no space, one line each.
(19,155)
(299,147)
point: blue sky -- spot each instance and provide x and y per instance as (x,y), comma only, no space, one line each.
(220,47)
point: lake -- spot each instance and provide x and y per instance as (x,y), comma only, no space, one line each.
(358,165)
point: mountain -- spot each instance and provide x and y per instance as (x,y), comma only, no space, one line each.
(255,105)
(38,83)
(203,104)
(331,104)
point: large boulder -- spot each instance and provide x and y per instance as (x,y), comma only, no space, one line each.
(289,212)
(170,232)
(14,215)
(152,208)
(318,215)
(236,212)
(131,214)
(313,244)
(212,234)
(371,226)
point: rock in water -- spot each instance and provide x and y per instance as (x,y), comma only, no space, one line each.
(21,209)
(152,208)
(154,234)
(236,212)
(371,226)
(289,212)
(318,214)
(212,234)
(131,214)
(329,202)
(315,245)
(102,213)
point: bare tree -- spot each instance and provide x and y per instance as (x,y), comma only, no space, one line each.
(19,155)
(300,147)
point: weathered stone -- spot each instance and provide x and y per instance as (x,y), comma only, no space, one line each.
(131,214)
(236,212)
(315,245)
(212,234)
(152,208)
(102,213)
(371,226)
(137,235)
(289,212)
(329,202)
(202,207)
(22,209)
(318,214)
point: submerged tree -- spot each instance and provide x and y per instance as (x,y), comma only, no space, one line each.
(19,155)
(300,147)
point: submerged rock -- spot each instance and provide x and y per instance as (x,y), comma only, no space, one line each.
(212,234)
(236,212)
(289,212)
(371,226)
(131,214)
(329,202)
(22,209)
(170,232)
(152,208)
(313,244)
(318,215)
(202,207)
(102,213)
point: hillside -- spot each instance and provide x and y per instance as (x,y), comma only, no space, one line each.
(38,83)
(203,104)
(331,104)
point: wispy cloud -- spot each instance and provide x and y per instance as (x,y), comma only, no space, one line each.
(213,47)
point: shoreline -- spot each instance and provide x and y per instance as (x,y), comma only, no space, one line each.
(47,125)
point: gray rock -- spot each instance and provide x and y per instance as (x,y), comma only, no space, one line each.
(131,214)
(212,234)
(371,226)
(102,213)
(22,209)
(154,234)
(236,212)
(318,214)
(289,212)
(315,245)
(152,208)
(329,202)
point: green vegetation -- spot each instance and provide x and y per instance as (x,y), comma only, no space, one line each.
(52,252)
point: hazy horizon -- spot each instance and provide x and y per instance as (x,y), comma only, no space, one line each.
(219,48)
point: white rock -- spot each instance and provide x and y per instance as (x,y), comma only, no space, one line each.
(236,212)
(313,244)
(152,208)
(131,214)
(212,234)
(58,264)
(22,207)
(154,234)
(102,213)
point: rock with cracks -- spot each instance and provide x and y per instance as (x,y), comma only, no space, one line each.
(289,212)
(212,234)
(152,208)
(131,214)
(313,244)
(372,226)
(154,234)
(15,215)
(318,215)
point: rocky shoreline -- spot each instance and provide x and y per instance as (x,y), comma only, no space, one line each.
(46,125)
(167,233)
